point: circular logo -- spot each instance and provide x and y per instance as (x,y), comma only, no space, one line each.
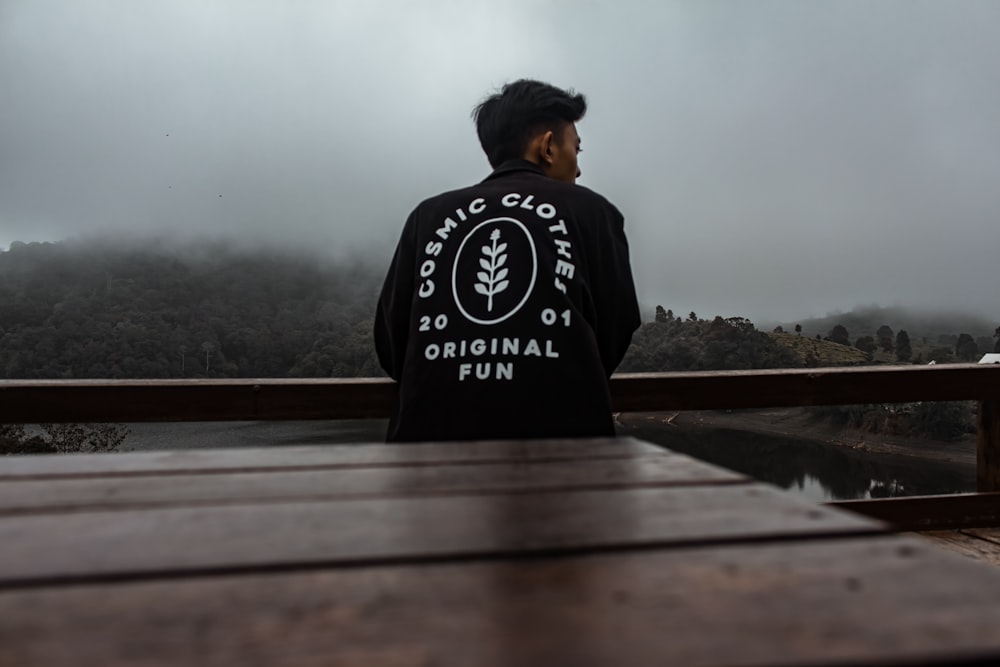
(495,270)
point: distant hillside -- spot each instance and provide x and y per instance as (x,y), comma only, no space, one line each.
(865,321)
(108,310)
(814,352)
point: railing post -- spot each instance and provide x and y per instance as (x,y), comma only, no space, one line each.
(988,446)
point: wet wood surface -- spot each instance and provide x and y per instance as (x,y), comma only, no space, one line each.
(524,553)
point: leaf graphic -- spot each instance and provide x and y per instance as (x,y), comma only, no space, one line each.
(492,279)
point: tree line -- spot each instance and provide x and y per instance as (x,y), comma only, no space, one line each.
(93,310)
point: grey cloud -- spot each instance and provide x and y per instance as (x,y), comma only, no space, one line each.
(773,159)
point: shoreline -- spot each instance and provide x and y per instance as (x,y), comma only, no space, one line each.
(797,424)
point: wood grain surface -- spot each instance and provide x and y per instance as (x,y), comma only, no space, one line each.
(142,489)
(210,461)
(168,541)
(885,601)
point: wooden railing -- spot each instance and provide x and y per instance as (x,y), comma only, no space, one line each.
(33,401)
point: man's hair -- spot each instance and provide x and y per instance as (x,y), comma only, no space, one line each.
(508,120)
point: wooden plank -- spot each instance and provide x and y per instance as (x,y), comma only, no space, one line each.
(930,512)
(832,602)
(361,398)
(32,401)
(804,386)
(304,457)
(78,494)
(158,542)
(968,545)
(988,446)
(987,534)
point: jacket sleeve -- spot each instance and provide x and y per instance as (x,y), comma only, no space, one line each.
(392,314)
(615,302)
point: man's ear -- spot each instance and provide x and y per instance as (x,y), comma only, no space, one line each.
(545,147)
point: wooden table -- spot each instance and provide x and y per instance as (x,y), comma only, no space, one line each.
(596,552)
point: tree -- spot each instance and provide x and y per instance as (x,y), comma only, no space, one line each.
(966,348)
(663,315)
(779,329)
(903,350)
(884,336)
(692,316)
(996,334)
(798,329)
(839,335)
(867,345)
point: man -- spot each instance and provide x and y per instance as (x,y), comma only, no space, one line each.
(509,303)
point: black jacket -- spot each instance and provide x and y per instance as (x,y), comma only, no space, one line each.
(506,308)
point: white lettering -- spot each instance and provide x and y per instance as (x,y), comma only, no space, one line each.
(483,371)
(549,352)
(427,268)
(511,345)
(461,214)
(433,248)
(559,227)
(560,285)
(464,370)
(510,200)
(526,204)
(505,371)
(449,350)
(478,347)
(532,348)
(546,211)
(426,289)
(562,248)
(477,206)
(565,269)
(432,351)
(443,231)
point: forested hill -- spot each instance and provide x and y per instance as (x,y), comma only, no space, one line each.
(111,310)
(101,310)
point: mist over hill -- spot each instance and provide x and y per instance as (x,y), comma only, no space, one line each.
(153,308)
(866,320)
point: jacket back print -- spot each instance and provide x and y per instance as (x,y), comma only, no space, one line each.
(505,309)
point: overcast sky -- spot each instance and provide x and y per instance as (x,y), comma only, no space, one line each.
(773,159)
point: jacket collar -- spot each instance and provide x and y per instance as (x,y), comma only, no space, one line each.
(512,166)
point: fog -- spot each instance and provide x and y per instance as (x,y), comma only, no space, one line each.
(773,159)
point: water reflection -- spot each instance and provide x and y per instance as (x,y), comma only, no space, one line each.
(818,470)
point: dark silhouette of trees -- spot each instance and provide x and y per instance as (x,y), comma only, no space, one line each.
(966,348)
(884,338)
(97,310)
(867,345)
(839,335)
(904,352)
(726,343)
